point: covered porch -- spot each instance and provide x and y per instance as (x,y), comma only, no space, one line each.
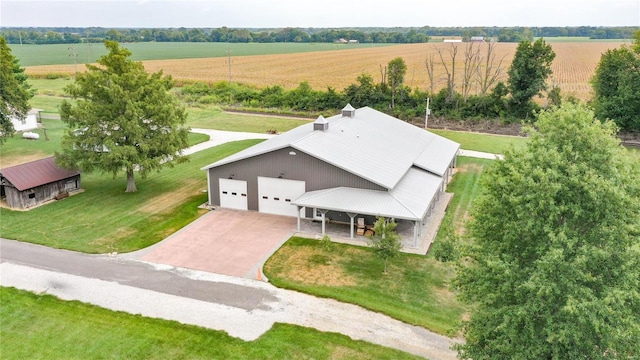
(414,204)
(345,233)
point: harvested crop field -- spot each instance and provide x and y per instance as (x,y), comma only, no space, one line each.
(573,67)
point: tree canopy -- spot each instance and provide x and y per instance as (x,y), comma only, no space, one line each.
(15,92)
(530,68)
(124,119)
(554,266)
(395,75)
(616,84)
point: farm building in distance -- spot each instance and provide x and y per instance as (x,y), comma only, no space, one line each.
(33,183)
(30,122)
(360,164)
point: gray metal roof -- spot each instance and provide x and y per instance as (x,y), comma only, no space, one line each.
(409,200)
(35,173)
(371,144)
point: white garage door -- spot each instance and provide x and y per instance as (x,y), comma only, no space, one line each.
(233,194)
(275,195)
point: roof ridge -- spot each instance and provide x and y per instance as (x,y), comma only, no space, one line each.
(401,203)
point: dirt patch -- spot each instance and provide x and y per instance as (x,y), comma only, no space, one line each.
(173,198)
(341,352)
(444,295)
(21,159)
(110,243)
(315,266)
(468,168)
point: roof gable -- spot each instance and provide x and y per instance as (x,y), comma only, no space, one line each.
(370,144)
(36,173)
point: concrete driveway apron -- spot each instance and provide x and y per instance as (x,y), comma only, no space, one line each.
(223,241)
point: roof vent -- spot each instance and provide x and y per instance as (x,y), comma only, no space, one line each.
(348,111)
(321,124)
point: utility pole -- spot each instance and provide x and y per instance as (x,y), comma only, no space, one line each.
(73,52)
(229,61)
(426,117)
(86,35)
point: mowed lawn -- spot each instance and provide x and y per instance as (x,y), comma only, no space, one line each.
(215,118)
(44,327)
(416,288)
(104,218)
(495,144)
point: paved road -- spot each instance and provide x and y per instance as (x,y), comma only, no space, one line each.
(243,308)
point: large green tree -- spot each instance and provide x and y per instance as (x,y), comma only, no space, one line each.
(395,76)
(616,85)
(15,92)
(554,266)
(530,68)
(124,119)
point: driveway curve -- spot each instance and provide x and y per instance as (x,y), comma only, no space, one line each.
(219,137)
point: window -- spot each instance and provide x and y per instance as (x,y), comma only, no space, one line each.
(234,194)
(287,200)
(224,192)
(32,195)
(276,199)
(265,197)
(244,195)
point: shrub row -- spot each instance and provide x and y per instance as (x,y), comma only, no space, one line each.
(409,104)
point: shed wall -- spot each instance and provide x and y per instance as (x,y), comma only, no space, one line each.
(24,199)
(316,173)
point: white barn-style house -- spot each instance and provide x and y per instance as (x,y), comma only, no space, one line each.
(360,163)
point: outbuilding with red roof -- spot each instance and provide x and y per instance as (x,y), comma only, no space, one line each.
(33,183)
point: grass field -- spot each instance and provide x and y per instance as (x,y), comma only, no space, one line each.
(466,186)
(495,144)
(18,150)
(416,288)
(57,54)
(215,118)
(44,327)
(105,219)
(573,66)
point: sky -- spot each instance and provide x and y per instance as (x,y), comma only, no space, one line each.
(317,13)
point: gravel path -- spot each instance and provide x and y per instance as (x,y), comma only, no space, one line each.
(241,307)
(218,137)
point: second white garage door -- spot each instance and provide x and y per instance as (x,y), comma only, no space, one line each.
(275,195)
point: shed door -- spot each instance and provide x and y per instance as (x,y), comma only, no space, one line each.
(233,194)
(275,196)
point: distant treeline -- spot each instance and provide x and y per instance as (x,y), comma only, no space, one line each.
(397,35)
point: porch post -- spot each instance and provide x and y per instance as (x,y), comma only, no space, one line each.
(351,216)
(299,208)
(323,212)
(416,227)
